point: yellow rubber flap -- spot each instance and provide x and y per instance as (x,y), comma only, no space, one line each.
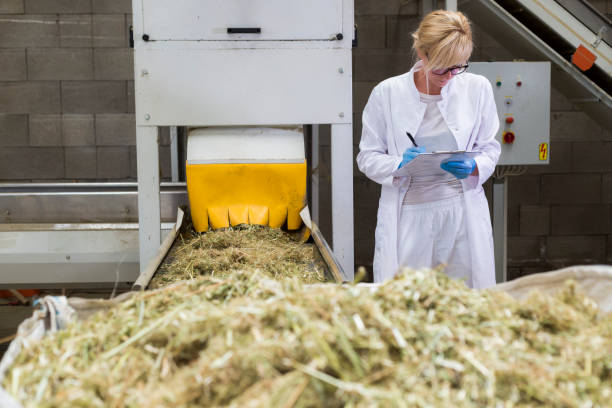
(271,194)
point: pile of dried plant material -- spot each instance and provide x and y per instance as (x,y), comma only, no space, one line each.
(419,340)
(249,247)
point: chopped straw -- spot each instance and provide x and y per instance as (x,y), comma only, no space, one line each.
(245,340)
(248,247)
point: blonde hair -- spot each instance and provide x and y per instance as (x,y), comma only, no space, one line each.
(445,37)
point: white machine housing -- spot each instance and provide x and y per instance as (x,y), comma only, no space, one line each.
(245,145)
(522,92)
(191,71)
(244,63)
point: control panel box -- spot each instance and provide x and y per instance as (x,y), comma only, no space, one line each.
(522,97)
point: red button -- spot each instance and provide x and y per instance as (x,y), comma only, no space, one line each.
(509,137)
(509,119)
(519,83)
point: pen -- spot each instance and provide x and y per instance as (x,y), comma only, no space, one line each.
(412,139)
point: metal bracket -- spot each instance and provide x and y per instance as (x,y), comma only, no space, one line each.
(600,34)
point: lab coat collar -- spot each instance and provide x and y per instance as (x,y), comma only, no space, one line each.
(415,92)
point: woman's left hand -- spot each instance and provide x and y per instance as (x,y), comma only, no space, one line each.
(459,168)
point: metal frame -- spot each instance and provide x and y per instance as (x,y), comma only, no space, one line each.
(340,117)
(589,16)
(174,154)
(315,174)
(69,255)
(500,227)
(74,234)
(556,17)
(569,79)
(82,202)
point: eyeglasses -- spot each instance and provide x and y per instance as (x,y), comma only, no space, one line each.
(456,70)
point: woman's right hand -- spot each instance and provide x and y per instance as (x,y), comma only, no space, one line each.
(410,154)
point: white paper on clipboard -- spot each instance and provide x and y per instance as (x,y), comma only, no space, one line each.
(430,162)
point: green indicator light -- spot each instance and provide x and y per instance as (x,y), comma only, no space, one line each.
(498,83)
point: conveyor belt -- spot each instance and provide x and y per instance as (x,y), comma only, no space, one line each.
(323,259)
(540,30)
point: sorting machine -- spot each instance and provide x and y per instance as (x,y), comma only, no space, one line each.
(242,77)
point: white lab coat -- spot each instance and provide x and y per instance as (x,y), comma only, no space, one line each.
(394,107)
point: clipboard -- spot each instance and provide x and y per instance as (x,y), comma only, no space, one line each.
(430,162)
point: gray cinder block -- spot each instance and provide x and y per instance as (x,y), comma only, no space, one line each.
(29,31)
(388,7)
(114,63)
(371,31)
(592,157)
(109,30)
(581,219)
(94,96)
(78,130)
(45,130)
(573,126)
(75,30)
(30,97)
(60,63)
(81,162)
(26,163)
(131,99)
(115,129)
(376,65)
(523,190)
(165,163)
(58,6)
(11,7)
(606,186)
(361,93)
(13,65)
(534,220)
(112,6)
(513,219)
(13,130)
(113,162)
(558,101)
(572,250)
(399,31)
(571,188)
(133,168)
(523,250)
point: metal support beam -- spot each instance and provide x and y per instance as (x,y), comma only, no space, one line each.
(342,195)
(314,194)
(174,154)
(500,227)
(147,156)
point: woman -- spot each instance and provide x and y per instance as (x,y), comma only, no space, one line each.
(440,217)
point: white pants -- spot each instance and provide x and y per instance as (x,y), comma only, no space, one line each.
(435,233)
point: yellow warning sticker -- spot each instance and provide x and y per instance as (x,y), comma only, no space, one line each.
(543,151)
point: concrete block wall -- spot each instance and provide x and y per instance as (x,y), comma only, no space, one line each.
(66,92)
(67,113)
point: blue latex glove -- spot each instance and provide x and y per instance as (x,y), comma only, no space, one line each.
(459,168)
(410,154)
